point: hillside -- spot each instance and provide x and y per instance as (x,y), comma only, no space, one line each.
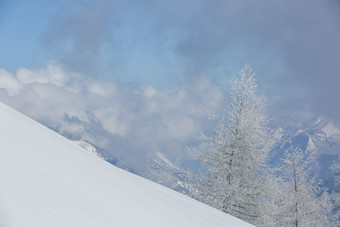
(47,180)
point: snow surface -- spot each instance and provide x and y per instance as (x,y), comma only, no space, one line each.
(47,180)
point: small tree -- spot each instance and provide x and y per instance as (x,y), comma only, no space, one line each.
(336,192)
(305,202)
(236,154)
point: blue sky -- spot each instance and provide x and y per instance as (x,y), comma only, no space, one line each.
(160,43)
(139,75)
(21,24)
(126,41)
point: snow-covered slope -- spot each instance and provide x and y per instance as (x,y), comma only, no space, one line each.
(47,180)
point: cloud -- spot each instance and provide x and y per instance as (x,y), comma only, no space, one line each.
(129,123)
(293,45)
(187,47)
(9,83)
(80,32)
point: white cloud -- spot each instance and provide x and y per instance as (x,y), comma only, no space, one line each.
(113,121)
(182,128)
(101,89)
(148,91)
(127,122)
(9,83)
(52,74)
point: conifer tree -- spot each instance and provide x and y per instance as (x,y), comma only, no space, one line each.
(336,192)
(304,201)
(236,154)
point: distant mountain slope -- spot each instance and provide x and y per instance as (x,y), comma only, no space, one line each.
(161,170)
(321,138)
(89,147)
(47,180)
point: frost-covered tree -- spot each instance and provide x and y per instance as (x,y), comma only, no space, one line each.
(336,171)
(236,154)
(304,202)
(336,192)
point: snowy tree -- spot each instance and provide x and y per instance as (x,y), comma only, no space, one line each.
(304,202)
(236,154)
(336,192)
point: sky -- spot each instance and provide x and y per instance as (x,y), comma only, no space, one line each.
(132,74)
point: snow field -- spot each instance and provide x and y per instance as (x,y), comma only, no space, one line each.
(47,180)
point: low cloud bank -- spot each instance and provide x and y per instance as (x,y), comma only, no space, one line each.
(130,123)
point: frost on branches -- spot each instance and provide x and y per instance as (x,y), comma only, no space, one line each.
(235,155)
(336,192)
(303,201)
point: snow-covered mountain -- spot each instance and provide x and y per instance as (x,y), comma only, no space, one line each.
(161,170)
(47,180)
(321,138)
